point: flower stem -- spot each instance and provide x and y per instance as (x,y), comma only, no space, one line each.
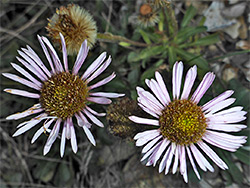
(108,37)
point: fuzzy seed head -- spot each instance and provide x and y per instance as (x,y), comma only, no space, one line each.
(147,17)
(182,122)
(75,24)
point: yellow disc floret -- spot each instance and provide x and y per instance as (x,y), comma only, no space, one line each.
(63,95)
(182,122)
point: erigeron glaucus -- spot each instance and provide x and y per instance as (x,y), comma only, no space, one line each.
(62,94)
(184,128)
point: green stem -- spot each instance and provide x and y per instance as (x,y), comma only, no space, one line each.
(108,37)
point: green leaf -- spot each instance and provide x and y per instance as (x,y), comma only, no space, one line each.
(241,93)
(187,32)
(63,175)
(191,12)
(229,55)
(124,44)
(171,56)
(210,39)
(133,76)
(243,155)
(146,53)
(232,168)
(145,36)
(149,73)
(193,59)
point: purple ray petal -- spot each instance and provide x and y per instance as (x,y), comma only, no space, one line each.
(94,66)
(212,155)
(41,130)
(200,159)
(226,127)
(99,100)
(21,80)
(73,140)
(177,78)
(203,87)
(89,135)
(189,82)
(220,105)
(29,125)
(164,160)
(31,68)
(144,120)
(26,74)
(33,64)
(217,99)
(192,163)
(36,59)
(93,118)
(56,60)
(54,133)
(64,50)
(33,110)
(162,85)
(81,56)
(149,132)
(46,54)
(22,93)
(63,140)
(108,95)
(103,82)
(99,70)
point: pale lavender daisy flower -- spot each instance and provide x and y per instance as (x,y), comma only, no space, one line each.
(185,128)
(62,94)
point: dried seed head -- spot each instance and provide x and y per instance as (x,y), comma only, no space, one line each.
(75,24)
(117,116)
(147,17)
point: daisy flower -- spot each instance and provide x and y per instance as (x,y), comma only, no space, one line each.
(185,129)
(62,94)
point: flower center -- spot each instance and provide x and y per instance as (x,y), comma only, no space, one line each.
(63,95)
(182,122)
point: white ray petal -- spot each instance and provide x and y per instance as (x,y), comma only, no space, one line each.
(43,129)
(93,118)
(28,125)
(162,85)
(54,133)
(212,155)
(64,50)
(177,78)
(21,80)
(73,140)
(217,99)
(81,56)
(103,82)
(89,135)
(144,120)
(63,140)
(32,110)
(192,163)
(94,66)
(203,87)
(149,132)
(189,82)
(26,74)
